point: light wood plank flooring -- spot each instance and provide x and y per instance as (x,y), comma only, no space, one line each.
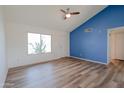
(67,73)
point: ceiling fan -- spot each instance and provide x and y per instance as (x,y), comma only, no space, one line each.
(68,14)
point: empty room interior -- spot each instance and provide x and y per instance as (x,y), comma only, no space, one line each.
(62,46)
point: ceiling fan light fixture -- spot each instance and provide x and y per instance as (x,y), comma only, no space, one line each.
(68,15)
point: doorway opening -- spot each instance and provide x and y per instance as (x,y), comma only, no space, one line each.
(115,45)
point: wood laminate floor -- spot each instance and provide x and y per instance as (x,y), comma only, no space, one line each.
(67,73)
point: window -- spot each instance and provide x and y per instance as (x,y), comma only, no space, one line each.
(38,43)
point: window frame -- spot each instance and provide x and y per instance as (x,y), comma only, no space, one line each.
(40,37)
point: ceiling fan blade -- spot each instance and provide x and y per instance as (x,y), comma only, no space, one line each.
(62,11)
(75,13)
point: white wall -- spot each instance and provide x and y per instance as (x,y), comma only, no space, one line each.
(3,64)
(17,44)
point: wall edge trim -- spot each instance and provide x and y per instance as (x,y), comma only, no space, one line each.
(89,60)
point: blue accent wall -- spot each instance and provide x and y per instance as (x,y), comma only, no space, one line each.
(93,45)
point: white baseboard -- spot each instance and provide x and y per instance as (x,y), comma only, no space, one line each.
(89,60)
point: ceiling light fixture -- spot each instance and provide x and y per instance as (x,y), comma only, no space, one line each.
(68,15)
